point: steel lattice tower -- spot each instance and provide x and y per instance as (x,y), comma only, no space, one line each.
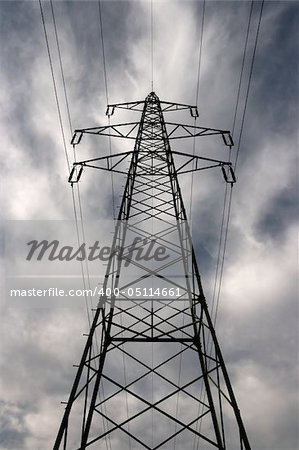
(175,391)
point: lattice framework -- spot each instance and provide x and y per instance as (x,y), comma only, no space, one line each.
(175,391)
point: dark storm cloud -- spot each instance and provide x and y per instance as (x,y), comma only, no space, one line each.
(256,358)
(280,213)
(277,68)
(18,59)
(13,430)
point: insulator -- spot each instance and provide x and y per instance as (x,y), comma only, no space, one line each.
(228,174)
(70,180)
(79,173)
(76,138)
(110,110)
(75,175)
(232,173)
(227,139)
(194,111)
(224,173)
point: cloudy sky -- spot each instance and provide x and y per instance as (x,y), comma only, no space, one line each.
(258,313)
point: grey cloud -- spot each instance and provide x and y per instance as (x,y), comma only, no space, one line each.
(257,318)
(13,430)
(280,214)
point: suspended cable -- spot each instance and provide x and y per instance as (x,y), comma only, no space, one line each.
(228,195)
(61,69)
(238,148)
(192,173)
(242,68)
(104,65)
(78,189)
(65,150)
(81,263)
(152,45)
(71,132)
(224,251)
(219,249)
(54,86)
(200,50)
(198,424)
(220,267)
(103,50)
(249,83)
(84,240)
(239,141)
(64,143)
(196,100)
(218,270)
(103,60)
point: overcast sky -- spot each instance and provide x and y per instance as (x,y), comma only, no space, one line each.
(258,314)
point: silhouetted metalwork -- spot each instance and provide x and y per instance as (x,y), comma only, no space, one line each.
(152,374)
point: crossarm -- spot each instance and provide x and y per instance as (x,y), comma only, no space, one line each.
(180,131)
(108,163)
(165,106)
(175,131)
(185,167)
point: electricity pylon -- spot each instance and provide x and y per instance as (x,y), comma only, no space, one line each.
(152,374)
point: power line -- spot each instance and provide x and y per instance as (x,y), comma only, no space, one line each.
(101,30)
(103,50)
(81,263)
(78,189)
(103,60)
(152,45)
(224,249)
(200,49)
(71,132)
(54,85)
(219,250)
(61,69)
(107,439)
(197,97)
(239,143)
(219,266)
(249,83)
(242,68)
(198,424)
(228,196)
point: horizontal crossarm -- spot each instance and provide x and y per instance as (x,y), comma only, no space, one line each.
(180,131)
(122,130)
(109,162)
(165,106)
(175,131)
(226,166)
(193,163)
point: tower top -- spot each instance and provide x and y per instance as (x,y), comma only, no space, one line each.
(152,97)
